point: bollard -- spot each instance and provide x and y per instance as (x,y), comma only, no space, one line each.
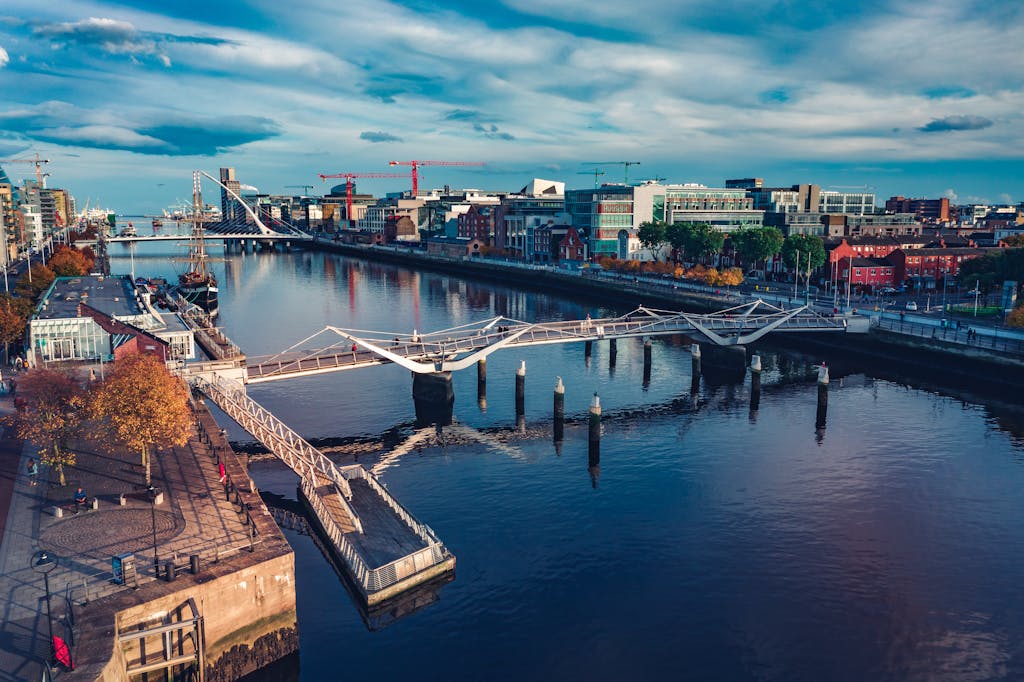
(193,562)
(588,349)
(481,376)
(559,413)
(594,444)
(695,355)
(169,571)
(613,351)
(822,413)
(755,384)
(521,388)
(647,362)
(594,434)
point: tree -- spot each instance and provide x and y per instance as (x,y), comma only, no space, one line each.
(68,262)
(1015,241)
(757,244)
(701,240)
(143,406)
(50,415)
(13,317)
(678,236)
(42,278)
(652,236)
(1016,317)
(806,245)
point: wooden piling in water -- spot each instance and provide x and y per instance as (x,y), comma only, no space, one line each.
(822,412)
(559,413)
(521,388)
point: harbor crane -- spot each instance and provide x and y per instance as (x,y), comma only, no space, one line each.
(306,189)
(624,164)
(594,172)
(416,169)
(38,164)
(348,187)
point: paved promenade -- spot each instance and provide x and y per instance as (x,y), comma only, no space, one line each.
(194,518)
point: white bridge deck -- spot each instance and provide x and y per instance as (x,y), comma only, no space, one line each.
(459,347)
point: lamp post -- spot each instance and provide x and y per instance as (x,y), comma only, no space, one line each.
(152,509)
(43,562)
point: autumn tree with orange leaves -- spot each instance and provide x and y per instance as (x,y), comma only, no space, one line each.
(143,406)
(69,262)
(50,415)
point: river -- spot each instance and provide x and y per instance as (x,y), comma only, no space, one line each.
(709,542)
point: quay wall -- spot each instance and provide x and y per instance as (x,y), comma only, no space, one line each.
(246,600)
(922,353)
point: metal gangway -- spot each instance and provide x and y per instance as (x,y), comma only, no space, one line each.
(460,347)
(384,553)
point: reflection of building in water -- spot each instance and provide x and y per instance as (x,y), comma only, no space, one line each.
(330,268)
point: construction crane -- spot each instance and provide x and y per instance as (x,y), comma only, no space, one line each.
(38,163)
(624,164)
(416,166)
(594,172)
(306,188)
(348,187)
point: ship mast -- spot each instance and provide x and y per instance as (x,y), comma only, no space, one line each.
(197,248)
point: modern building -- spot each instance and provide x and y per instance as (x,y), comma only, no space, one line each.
(518,216)
(932,210)
(809,198)
(848,203)
(726,210)
(67,324)
(882,224)
(230,209)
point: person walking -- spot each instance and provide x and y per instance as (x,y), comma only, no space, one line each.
(33,472)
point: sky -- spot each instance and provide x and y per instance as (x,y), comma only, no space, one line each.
(922,99)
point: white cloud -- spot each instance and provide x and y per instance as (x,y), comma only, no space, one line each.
(4,57)
(99,135)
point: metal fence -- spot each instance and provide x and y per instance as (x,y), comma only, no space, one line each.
(965,336)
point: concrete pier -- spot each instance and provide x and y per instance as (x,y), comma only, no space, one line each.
(434,397)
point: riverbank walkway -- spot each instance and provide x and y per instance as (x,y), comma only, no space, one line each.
(194,517)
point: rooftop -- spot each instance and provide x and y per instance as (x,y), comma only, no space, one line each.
(112,296)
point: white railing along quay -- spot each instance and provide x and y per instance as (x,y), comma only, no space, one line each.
(290,447)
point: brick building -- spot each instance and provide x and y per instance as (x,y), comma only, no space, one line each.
(932,210)
(478,223)
(572,247)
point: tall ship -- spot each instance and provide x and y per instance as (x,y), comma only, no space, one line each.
(197,284)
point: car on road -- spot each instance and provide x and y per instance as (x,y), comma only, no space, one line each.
(912,305)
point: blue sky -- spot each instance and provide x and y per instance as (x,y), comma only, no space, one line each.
(126,98)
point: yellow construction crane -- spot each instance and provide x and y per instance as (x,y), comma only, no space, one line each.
(38,163)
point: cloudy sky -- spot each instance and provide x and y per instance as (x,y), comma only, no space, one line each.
(126,98)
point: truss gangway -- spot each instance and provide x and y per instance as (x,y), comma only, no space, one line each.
(382,546)
(460,347)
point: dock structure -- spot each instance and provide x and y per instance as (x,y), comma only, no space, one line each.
(460,347)
(383,548)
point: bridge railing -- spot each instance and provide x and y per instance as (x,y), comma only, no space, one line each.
(359,570)
(289,446)
(424,532)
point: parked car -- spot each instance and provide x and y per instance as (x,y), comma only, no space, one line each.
(912,305)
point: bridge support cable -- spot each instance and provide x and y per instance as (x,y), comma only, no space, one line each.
(301,457)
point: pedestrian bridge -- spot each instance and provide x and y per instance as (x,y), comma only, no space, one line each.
(459,347)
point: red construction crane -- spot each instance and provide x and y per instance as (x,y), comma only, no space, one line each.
(416,166)
(37,161)
(348,187)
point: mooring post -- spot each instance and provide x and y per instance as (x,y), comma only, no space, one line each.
(822,414)
(613,351)
(588,349)
(521,388)
(755,383)
(695,368)
(559,413)
(647,361)
(594,441)
(481,383)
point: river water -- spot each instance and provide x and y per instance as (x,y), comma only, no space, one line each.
(709,542)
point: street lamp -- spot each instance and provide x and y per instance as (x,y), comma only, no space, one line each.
(152,508)
(43,562)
